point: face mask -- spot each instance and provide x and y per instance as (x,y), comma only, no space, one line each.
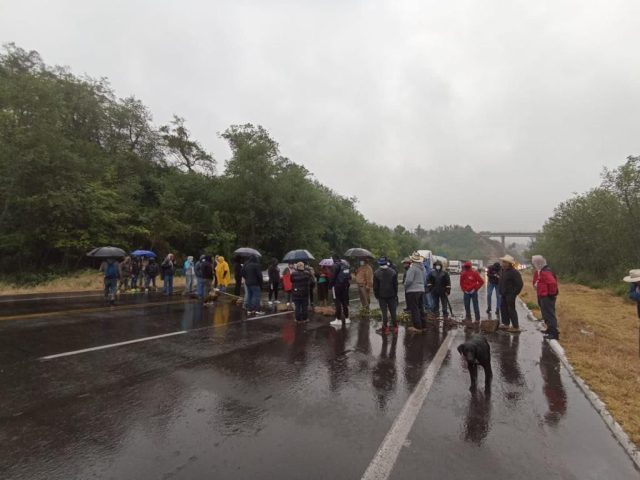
(438,267)
(361,262)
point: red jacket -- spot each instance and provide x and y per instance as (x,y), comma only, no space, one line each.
(287,285)
(545,282)
(470,280)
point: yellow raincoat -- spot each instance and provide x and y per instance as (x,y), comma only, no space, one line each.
(222,273)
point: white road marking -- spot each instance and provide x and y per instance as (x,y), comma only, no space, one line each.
(102,347)
(385,458)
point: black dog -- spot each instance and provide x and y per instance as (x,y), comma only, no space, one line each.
(476,352)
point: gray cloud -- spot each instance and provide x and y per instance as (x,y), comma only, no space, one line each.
(476,113)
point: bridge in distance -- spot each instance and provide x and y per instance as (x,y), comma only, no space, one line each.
(504,235)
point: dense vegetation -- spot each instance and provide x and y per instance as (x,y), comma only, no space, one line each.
(82,168)
(593,237)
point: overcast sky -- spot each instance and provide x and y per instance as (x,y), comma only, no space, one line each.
(430,112)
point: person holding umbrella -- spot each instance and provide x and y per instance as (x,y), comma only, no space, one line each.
(301,280)
(324,276)
(253,280)
(110,268)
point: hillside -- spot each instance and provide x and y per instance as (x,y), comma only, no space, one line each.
(458,242)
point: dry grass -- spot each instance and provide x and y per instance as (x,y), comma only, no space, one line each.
(599,332)
(86,280)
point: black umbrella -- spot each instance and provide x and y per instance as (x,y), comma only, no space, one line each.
(106,252)
(246,252)
(359,253)
(298,256)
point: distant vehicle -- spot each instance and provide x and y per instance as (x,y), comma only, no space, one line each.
(478,265)
(455,267)
(265,274)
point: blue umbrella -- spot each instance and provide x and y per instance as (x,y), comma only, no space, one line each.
(143,253)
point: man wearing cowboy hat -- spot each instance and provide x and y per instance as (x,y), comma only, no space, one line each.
(414,281)
(633,279)
(510,287)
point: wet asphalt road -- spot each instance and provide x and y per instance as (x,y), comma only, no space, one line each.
(265,398)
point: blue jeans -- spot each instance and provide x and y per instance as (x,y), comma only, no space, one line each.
(188,285)
(302,308)
(253,298)
(468,298)
(490,289)
(200,286)
(168,284)
(428,302)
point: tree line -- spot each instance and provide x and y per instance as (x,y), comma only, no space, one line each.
(593,237)
(82,168)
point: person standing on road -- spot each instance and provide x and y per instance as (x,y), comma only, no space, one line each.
(439,285)
(546,285)
(206,269)
(274,281)
(510,287)
(414,282)
(125,274)
(237,275)
(470,283)
(301,280)
(135,273)
(312,287)
(189,275)
(364,279)
(150,273)
(385,289)
(339,284)
(633,279)
(253,280)
(110,268)
(197,271)
(427,297)
(286,283)
(223,275)
(323,285)
(493,275)
(168,268)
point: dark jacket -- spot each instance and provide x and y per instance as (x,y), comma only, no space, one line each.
(237,270)
(168,267)
(274,274)
(385,283)
(206,268)
(301,281)
(510,283)
(339,279)
(439,282)
(252,273)
(493,274)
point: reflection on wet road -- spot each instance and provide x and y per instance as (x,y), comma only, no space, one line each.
(267,398)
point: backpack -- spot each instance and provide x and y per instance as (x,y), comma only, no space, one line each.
(111,271)
(343,277)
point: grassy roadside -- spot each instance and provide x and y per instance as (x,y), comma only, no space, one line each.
(599,332)
(85,280)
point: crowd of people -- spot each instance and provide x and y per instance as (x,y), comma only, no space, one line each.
(427,286)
